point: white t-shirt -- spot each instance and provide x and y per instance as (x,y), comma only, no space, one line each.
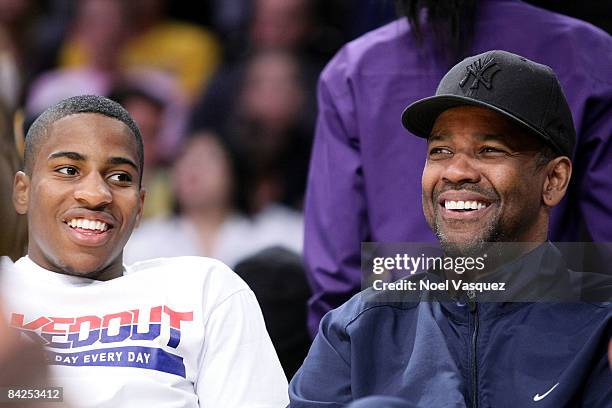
(171,332)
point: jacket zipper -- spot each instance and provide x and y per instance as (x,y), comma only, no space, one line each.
(474,311)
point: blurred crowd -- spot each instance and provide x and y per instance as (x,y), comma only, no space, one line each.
(224,95)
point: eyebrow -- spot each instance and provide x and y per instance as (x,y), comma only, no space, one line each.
(79,157)
(70,155)
(122,160)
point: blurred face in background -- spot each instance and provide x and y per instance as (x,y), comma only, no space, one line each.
(202,174)
(148,116)
(101,27)
(272,95)
(280,23)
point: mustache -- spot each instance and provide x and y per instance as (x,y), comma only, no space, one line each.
(489,193)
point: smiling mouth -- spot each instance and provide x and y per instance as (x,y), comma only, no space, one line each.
(464,206)
(87,226)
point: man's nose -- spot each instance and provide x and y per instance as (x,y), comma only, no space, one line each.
(93,191)
(461,169)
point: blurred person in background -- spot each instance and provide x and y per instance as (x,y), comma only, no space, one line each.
(99,30)
(101,38)
(157,106)
(88,57)
(13,236)
(285,24)
(282,25)
(365,174)
(269,128)
(12,59)
(189,52)
(269,122)
(91,61)
(208,222)
(277,277)
(27,45)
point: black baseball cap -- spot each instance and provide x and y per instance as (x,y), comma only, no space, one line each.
(522,90)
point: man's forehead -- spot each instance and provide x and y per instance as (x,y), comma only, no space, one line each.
(87,135)
(86,120)
(482,124)
(81,127)
(481,137)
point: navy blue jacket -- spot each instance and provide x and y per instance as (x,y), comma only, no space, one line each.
(455,354)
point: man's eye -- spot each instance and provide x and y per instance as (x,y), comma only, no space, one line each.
(68,170)
(121,177)
(492,150)
(439,152)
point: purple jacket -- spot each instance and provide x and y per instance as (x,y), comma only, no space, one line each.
(365,173)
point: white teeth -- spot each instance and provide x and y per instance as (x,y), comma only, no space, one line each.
(463,205)
(88,224)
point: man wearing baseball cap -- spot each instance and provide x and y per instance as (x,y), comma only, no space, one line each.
(499,140)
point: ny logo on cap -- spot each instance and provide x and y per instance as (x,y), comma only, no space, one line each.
(478,69)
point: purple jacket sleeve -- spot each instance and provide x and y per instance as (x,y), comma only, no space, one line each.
(587,212)
(335,210)
(594,181)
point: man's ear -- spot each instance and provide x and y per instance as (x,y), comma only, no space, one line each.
(21,192)
(558,173)
(141,199)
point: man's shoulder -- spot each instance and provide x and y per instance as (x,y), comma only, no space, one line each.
(373,51)
(373,302)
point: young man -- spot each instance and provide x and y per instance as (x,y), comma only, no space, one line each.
(500,135)
(176,332)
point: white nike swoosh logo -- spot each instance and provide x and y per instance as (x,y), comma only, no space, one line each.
(539,397)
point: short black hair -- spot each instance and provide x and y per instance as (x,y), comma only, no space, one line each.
(71,106)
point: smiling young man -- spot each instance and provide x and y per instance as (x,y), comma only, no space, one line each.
(500,137)
(175,332)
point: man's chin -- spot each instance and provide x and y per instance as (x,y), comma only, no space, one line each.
(464,249)
(85,266)
(465,243)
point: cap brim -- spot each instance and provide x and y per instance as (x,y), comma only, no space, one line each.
(420,116)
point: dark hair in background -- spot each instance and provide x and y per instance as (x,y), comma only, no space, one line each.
(121,94)
(450,21)
(78,104)
(277,277)
(13,234)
